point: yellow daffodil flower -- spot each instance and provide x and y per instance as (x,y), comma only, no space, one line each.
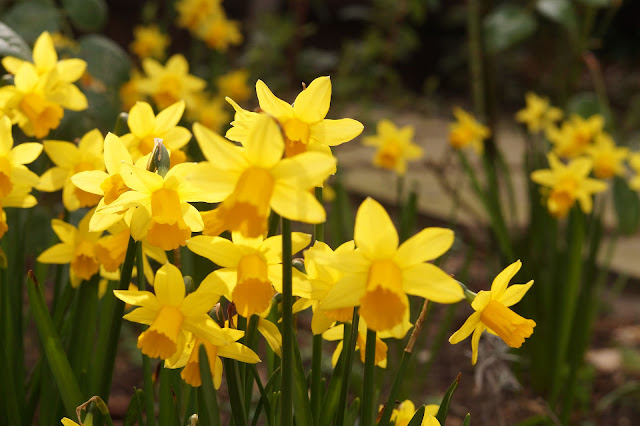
(78,247)
(232,350)
(171,83)
(251,268)
(145,126)
(575,135)
(192,12)
(252,180)
(20,197)
(568,183)
(467,131)
(218,32)
(406,410)
(70,159)
(234,85)
(395,146)
(172,317)
(337,333)
(164,216)
(634,162)
(149,42)
(304,124)
(538,115)
(380,274)
(130,91)
(68,422)
(209,111)
(608,159)
(492,313)
(13,159)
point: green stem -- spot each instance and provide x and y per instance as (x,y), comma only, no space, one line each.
(149,402)
(351,337)
(286,416)
(474,34)
(369,385)
(316,378)
(235,393)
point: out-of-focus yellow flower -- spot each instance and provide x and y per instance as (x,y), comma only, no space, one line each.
(78,247)
(406,410)
(492,313)
(149,42)
(232,350)
(171,83)
(575,135)
(60,41)
(172,317)
(130,92)
(234,85)
(380,273)
(568,183)
(304,124)
(337,333)
(251,268)
(70,159)
(13,171)
(395,146)
(252,180)
(210,112)
(467,131)
(608,159)
(634,162)
(538,115)
(192,12)
(145,126)
(219,33)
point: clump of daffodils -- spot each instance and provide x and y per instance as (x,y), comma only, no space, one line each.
(395,147)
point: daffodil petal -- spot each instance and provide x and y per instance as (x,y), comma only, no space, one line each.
(204,327)
(65,231)
(63,154)
(335,132)
(92,142)
(44,54)
(90,181)
(169,117)
(115,153)
(305,170)
(264,145)
(428,244)
(169,285)
(320,322)
(271,334)
(501,281)
(272,246)
(432,283)
(142,315)
(217,249)
(25,153)
(347,292)
(141,119)
(475,341)
(70,70)
(514,293)
(239,352)
(176,137)
(466,329)
(272,105)
(192,217)
(374,232)
(295,204)
(218,150)
(139,179)
(60,253)
(200,301)
(312,104)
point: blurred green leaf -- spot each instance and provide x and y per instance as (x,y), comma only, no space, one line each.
(627,206)
(11,44)
(134,411)
(467,420)
(31,18)
(443,411)
(86,15)
(560,11)
(586,104)
(352,412)
(106,61)
(417,418)
(597,3)
(506,26)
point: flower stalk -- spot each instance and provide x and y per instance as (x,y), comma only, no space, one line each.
(286,413)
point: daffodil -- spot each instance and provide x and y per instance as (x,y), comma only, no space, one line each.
(170,83)
(192,12)
(538,115)
(232,350)
(68,422)
(13,159)
(608,159)
(20,197)
(567,184)
(130,91)
(251,268)
(164,216)
(218,32)
(209,111)
(172,317)
(402,415)
(77,247)
(234,85)
(148,42)
(467,131)
(337,333)
(380,273)
(145,126)
(252,180)
(575,135)
(304,124)
(492,313)
(70,159)
(395,146)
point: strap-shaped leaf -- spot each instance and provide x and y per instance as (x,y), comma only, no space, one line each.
(446,400)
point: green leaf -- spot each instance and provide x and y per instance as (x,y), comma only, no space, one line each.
(53,350)
(416,420)
(597,3)
(208,414)
(586,104)
(446,400)
(301,402)
(134,411)
(627,206)
(467,420)
(352,412)
(86,15)
(506,26)
(106,61)
(560,11)
(11,44)
(31,18)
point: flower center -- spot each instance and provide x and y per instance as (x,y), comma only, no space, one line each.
(113,187)
(511,327)
(42,114)
(168,229)
(168,91)
(384,303)
(253,291)
(247,208)
(160,340)
(5,177)
(388,156)
(191,371)
(297,137)
(84,263)
(604,167)
(562,197)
